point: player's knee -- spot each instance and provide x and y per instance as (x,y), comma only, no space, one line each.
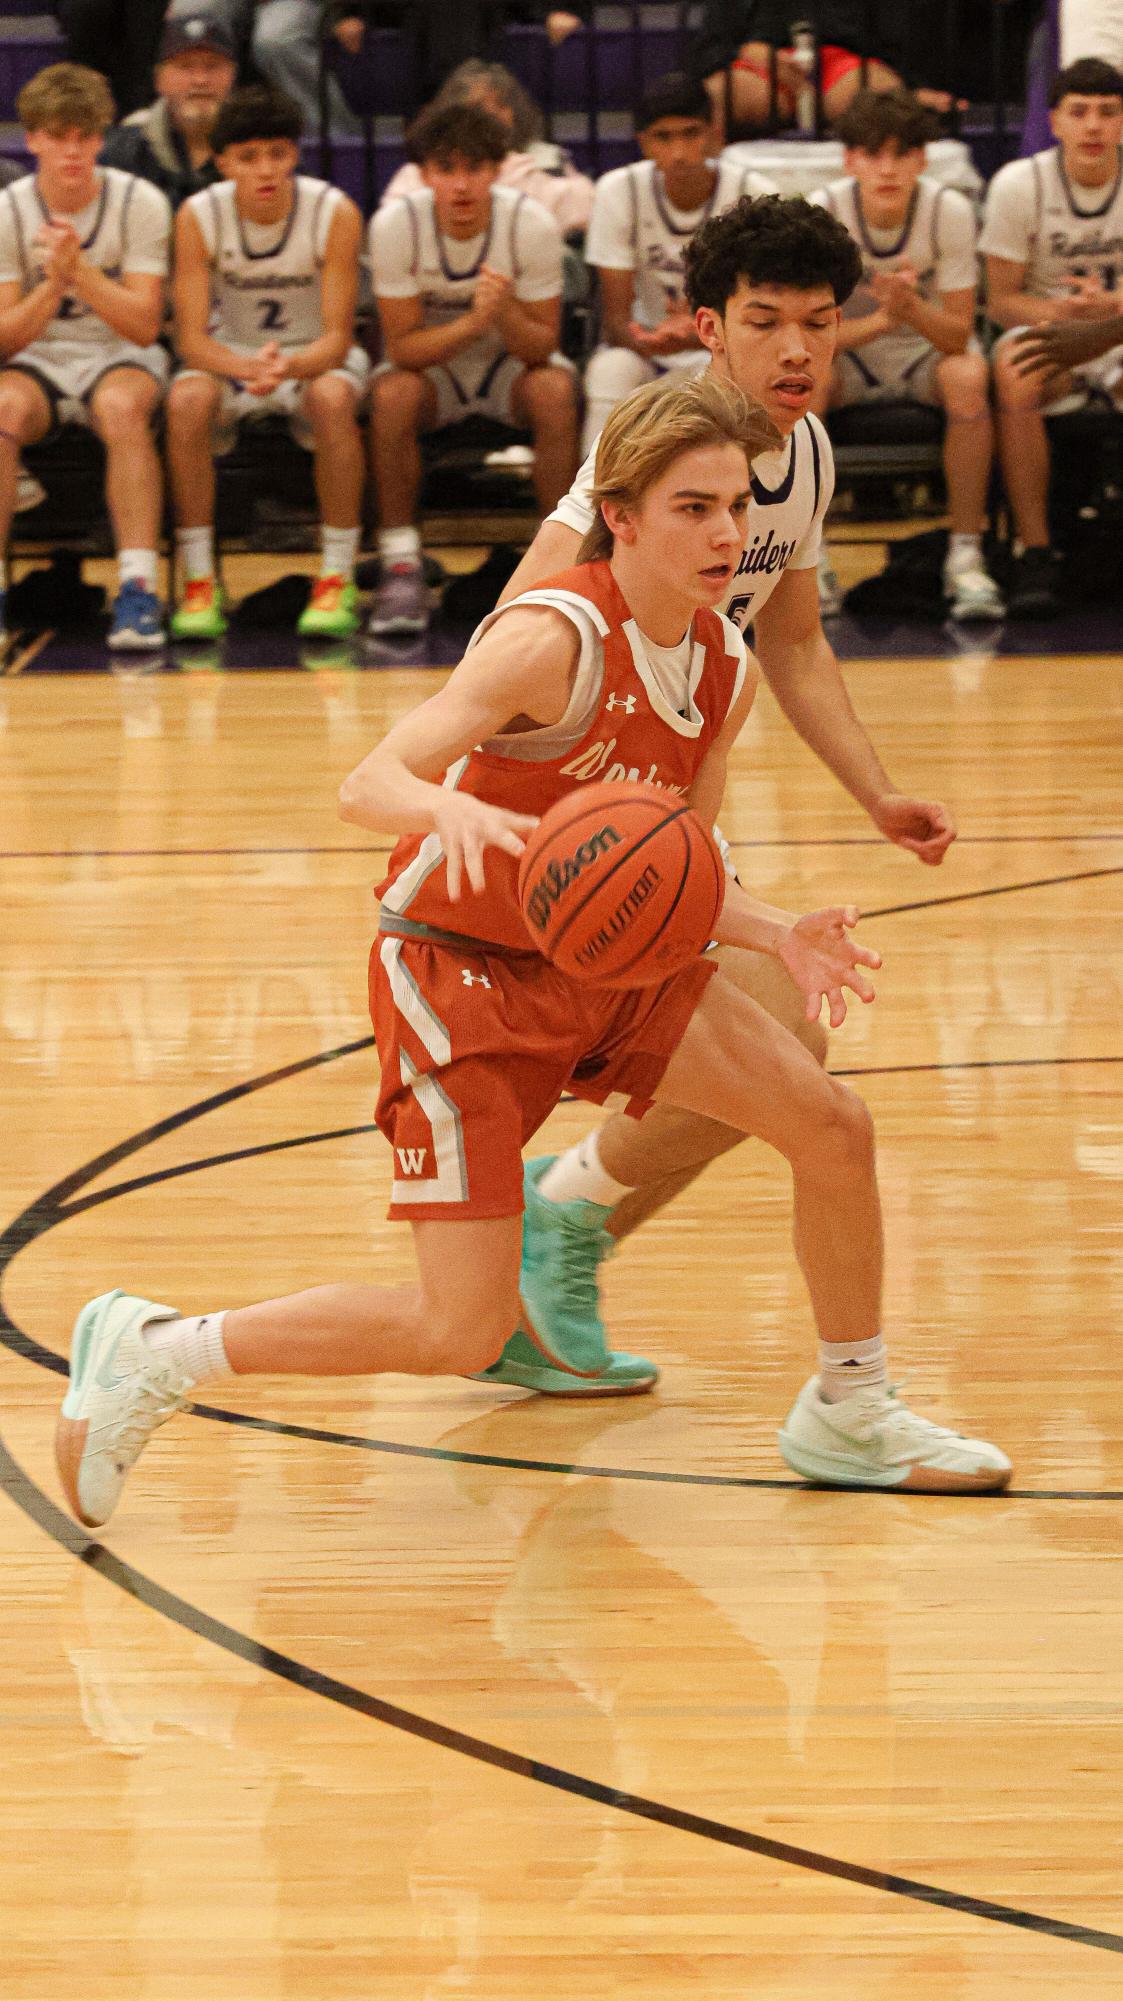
(837,1145)
(463,1343)
(14,417)
(549,394)
(192,404)
(397,396)
(329,401)
(123,406)
(964,383)
(1015,391)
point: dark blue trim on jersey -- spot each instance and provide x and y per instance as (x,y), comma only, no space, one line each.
(275,249)
(659,194)
(815,468)
(761,494)
(1089,214)
(863,231)
(99,217)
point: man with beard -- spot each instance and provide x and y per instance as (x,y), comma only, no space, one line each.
(170,141)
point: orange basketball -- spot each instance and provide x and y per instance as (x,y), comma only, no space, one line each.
(621,885)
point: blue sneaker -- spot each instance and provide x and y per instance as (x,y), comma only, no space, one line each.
(138,620)
(564,1245)
(523,1366)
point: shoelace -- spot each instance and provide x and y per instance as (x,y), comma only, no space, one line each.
(152,1408)
(327,591)
(889,1416)
(198,593)
(582,1251)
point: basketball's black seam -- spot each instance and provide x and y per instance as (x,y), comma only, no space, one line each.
(555,941)
(641,950)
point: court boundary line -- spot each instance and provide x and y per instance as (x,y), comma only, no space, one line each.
(25,1494)
(344,848)
(47,1211)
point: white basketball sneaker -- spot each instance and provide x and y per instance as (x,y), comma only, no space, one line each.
(120,1391)
(872,1439)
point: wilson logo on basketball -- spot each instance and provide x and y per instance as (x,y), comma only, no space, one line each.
(560,876)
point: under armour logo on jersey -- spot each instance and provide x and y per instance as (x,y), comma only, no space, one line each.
(625,702)
(474,979)
(411,1159)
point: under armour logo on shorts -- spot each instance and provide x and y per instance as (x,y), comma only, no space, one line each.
(474,979)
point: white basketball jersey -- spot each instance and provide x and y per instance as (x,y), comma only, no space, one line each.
(1036,215)
(105,244)
(791,491)
(265,278)
(917,243)
(634,211)
(521,242)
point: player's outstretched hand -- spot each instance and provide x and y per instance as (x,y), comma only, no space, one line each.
(1058,345)
(822,960)
(467,827)
(922,826)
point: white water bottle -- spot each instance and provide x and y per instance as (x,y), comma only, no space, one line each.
(805,59)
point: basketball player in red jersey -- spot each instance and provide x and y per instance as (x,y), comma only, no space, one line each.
(479,1036)
(766,279)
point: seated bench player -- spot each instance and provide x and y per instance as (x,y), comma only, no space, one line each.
(83,263)
(468,280)
(907,331)
(479,1037)
(1053,241)
(266,279)
(644,215)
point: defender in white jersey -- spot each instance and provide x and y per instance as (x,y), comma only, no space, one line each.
(766,281)
(468,279)
(1053,240)
(907,333)
(83,260)
(643,218)
(267,268)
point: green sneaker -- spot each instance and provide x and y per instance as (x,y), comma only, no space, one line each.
(564,1244)
(199,616)
(332,611)
(523,1366)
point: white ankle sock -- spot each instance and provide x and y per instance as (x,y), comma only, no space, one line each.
(339,547)
(139,566)
(847,1366)
(196,552)
(577,1176)
(193,1345)
(964,551)
(399,545)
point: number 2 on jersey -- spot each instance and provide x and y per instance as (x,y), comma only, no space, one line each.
(272,315)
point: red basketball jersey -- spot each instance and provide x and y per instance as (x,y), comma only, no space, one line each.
(634,734)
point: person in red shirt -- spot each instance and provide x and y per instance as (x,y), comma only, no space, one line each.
(479,1036)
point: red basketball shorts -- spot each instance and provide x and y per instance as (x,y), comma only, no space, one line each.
(478,1046)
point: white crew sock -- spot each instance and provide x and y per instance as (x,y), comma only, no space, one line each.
(137,566)
(611,374)
(193,1345)
(577,1176)
(847,1366)
(399,545)
(196,552)
(964,552)
(339,548)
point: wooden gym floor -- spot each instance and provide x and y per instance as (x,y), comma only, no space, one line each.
(415,1690)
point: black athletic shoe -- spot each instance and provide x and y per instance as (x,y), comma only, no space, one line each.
(1032,592)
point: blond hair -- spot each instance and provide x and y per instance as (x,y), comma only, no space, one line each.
(66,96)
(654,426)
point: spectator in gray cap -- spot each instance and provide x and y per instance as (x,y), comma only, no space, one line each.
(284,38)
(169,142)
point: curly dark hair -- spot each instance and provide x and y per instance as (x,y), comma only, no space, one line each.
(877,116)
(444,132)
(770,240)
(258,111)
